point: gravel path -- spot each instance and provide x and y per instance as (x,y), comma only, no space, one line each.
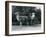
(18,28)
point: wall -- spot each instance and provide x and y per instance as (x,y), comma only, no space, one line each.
(2,18)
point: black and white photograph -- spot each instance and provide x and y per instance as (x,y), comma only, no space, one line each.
(25,18)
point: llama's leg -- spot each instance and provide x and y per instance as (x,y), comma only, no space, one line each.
(31,21)
(27,23)
(20,23)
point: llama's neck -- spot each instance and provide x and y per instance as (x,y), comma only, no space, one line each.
(17,17)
